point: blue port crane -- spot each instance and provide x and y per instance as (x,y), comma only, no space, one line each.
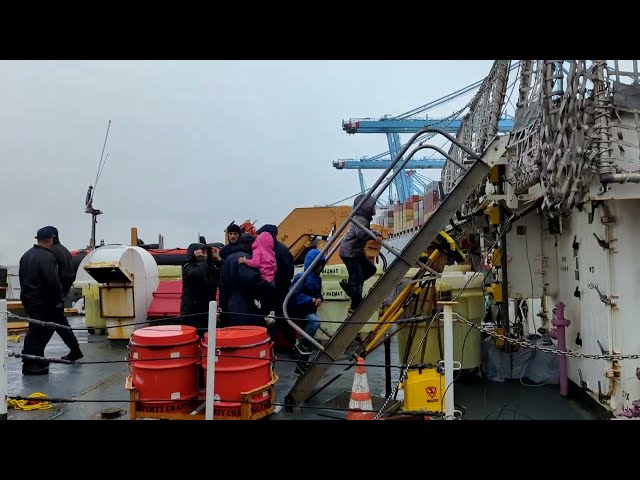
(408,123)
(396,126)
(369,164)
(403,183)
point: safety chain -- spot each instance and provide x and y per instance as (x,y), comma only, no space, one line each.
(414,366)
(555,351)
(162,319)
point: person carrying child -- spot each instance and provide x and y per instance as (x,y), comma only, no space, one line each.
(263,258)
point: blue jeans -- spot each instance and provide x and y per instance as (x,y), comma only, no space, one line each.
(311,324)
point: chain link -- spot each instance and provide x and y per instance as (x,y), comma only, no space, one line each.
(554,351)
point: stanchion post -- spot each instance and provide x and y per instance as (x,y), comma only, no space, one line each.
(211,360)
(448,360)
(3,359)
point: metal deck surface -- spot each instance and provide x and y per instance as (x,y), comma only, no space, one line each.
(96,387)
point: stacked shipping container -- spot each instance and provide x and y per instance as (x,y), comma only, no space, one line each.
(402,217)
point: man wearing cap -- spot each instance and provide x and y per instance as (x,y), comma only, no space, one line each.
(41,294)
(233,235)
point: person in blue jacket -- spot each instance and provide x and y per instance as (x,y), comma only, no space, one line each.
(303,305)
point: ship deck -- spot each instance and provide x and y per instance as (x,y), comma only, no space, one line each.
(95,387)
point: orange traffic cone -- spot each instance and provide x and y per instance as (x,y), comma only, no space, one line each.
(360,406)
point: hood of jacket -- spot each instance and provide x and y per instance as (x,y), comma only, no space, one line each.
(191,249)
(367,209)
(311,256)
(272,229)
(264,240)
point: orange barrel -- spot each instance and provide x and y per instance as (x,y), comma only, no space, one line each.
(236,375)
(164,365)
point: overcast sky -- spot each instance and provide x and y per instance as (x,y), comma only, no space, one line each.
(193,145)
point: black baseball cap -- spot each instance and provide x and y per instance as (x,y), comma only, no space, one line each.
(46,232)
(233,228)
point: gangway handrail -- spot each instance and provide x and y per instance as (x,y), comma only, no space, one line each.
(405,161)
(393,250)
(347,332)
(355,210)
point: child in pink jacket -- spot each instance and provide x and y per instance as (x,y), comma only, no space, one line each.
(263,258)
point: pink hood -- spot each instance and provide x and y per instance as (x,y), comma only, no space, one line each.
(264,241)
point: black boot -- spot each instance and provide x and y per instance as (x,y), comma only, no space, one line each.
(345,286)
(73,356)
(35,369)
(303,364)
(303,348)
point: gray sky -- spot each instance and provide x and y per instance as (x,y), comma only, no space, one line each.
(193,144)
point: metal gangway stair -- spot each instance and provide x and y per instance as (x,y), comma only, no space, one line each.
(480,165)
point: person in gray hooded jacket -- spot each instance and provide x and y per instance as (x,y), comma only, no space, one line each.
(352,252)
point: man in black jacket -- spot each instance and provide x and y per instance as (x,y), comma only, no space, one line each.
(240,286)
(65,262)
(41,294)
(200,278)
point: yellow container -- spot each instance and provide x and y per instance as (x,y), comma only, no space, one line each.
(338,270)
(467,340)
(332,291)
(466,345)
(333,310)
(423,391)
(92,317)
(336,301)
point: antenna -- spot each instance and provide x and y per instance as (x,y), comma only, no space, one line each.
(88,203)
